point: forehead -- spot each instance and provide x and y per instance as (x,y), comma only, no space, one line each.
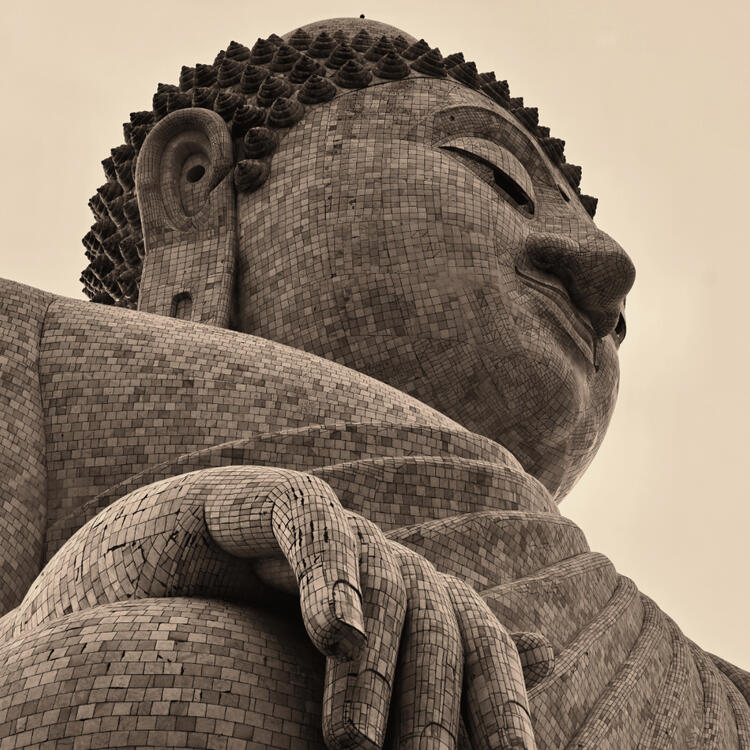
(369,150)
(418,108)
(423,111)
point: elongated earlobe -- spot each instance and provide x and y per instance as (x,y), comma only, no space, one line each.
(185,194)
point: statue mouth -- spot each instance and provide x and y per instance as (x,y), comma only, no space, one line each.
(570,318)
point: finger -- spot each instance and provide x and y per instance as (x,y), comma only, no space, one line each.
(496,709)
(313,533)
(427,699)
(536,655)
(358,691)
(266,510)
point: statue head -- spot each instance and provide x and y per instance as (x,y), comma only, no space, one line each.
(349,191)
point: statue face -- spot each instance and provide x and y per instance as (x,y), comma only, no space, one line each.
(415,232)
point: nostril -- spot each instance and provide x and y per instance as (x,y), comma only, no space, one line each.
(542,262)
(621,329)
(594,270)
(195,173)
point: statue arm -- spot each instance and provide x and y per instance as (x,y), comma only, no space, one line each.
(389,623)
(23,504)
(376,609)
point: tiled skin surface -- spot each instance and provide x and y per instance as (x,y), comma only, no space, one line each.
(623,674)
(22,442)
(188,478)
(424,230)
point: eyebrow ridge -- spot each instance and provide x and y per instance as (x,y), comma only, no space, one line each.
(498,120)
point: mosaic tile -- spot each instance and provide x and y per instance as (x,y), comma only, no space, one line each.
(303,493)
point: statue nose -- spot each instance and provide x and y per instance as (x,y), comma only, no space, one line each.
(595,271)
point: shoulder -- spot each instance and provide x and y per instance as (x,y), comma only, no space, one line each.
(22,310)
(22,439)
(286,387)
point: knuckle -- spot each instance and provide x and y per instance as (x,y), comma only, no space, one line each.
(384,579)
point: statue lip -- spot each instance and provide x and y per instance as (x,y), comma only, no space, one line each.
(574,322)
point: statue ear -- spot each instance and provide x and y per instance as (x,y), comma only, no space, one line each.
(183,180)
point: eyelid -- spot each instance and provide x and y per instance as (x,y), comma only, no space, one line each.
(496,155)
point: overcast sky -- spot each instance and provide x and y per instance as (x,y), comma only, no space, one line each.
(651,98)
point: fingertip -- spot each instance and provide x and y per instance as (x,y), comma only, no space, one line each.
(333,617)
(347,609)
(509,729)
(536,655)
(343,733)
(349,641)
(517,729)
(432,737)
(436,737)
(347,605)
(334,637)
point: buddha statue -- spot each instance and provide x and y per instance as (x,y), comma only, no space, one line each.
(293,481)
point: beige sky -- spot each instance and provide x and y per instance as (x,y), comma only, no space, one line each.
(652,100)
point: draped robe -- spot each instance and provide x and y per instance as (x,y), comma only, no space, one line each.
(103,402)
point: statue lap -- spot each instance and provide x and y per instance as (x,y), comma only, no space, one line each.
(169,673)
(105,675)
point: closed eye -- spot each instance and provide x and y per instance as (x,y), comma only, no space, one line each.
(504,172)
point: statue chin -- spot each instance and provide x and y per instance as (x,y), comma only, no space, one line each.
(553,426)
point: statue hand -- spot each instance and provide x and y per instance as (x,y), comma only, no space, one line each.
(378,610)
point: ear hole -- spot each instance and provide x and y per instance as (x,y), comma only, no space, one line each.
(194,174)
(193,183)
(183,159)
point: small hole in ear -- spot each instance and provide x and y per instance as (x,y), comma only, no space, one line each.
(182,306)
(195,173)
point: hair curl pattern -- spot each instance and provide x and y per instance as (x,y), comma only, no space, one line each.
(259,92)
